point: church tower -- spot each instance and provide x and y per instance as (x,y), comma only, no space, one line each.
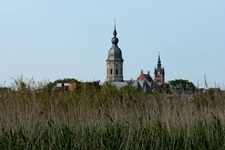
(114,62)
(159,74)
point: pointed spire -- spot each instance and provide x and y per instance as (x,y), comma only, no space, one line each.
(114,32)
(159,61)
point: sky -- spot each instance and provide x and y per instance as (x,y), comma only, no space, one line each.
(53,39)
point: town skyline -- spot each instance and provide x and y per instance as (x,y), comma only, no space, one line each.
(54,40)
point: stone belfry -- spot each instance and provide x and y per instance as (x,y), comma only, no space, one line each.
(114,62)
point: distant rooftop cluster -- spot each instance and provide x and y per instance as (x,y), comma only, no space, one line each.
(114,70)
(114,74)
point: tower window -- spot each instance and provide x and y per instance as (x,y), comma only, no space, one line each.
(116,71)
(110,71)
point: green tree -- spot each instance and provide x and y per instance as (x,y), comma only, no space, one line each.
(180,85)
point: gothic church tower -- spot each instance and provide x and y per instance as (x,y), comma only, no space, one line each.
(114,62)
(159,74)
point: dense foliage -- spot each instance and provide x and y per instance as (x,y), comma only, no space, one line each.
(164,88)
(177,86)
(180,86)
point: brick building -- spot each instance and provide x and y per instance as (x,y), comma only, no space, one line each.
(159,74)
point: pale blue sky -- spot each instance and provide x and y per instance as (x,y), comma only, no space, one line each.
(55,39)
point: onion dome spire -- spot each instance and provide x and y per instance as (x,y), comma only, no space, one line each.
(115,40)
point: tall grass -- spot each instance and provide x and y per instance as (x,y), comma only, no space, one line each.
(110,119)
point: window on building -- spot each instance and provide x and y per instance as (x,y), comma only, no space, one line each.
(116,71)
(110,71)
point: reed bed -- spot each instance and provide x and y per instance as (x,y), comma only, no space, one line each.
(110,118)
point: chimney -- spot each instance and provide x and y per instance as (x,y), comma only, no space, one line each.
(149,73)
(141,71)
